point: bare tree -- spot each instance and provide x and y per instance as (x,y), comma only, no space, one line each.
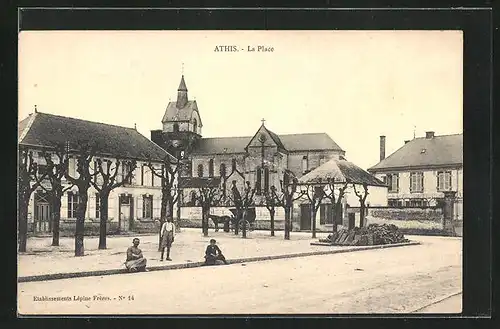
(55,174)
(104,181)
(362,202)
(242,204)
(335,201)
(167,173)
(289,186)
(208,196)
(28,181)
(84,154)
(315,194)
(271,202)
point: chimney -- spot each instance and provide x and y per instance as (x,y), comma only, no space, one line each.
(429,134)
(382,148)
(407,141)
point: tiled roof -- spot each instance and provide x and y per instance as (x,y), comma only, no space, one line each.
(291,142)
(48,130)
(172,113)
(198,182)
(310,141)
(341,171)
(425,152)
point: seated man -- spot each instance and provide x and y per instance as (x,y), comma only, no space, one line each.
(213,254)
(135,261)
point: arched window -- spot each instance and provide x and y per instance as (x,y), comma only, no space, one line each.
(222,170)
(258,181)
(304,164)
(193,198)
(211,168)
(266,179)
(195,125)
(176,127)
(234,164)
(200,170)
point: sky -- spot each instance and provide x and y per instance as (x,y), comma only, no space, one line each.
(352,85)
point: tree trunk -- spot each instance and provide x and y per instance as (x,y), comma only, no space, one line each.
(362,210)
(334,219)
(313,218)
(56,219)
(103,213)
(271,214)
(237,221)
(204,220)
(23,222)
(80,223)
(288,210)
(243,217)
(178,214)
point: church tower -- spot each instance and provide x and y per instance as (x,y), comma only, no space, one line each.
(182,94)
(181,125)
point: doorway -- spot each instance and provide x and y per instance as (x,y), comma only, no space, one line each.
(125,208)
(305,217)
(42,221)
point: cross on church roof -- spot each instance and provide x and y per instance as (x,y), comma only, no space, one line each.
(263,121)
(182,69)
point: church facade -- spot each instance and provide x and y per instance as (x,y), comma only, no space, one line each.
(260,159)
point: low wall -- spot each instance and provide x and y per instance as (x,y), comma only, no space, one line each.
(148,226)
(418,221)
(422,214)
(67,228)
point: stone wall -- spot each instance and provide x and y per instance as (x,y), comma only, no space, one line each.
(429,214)
(67,228)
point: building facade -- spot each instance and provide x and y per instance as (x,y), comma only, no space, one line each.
(260,159)
(135,203)
(420,172)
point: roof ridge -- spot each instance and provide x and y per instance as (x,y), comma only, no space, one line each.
(78,119)
(31,119)
(323,133)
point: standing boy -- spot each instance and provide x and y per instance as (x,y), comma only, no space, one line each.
(167,237)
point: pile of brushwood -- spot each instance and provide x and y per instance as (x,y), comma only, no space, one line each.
(373,234)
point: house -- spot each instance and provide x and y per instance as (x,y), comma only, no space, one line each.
(129,205)
(422,170)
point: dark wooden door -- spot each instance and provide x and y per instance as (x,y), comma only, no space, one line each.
(352,220)
(305,217)
(42,220)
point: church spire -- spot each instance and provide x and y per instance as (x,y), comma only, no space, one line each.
(182,96)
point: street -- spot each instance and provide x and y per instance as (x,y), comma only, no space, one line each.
(394,280)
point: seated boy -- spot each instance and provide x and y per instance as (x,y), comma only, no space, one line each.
(213,254)
(135,260)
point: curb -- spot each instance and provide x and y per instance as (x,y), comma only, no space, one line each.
(59,276)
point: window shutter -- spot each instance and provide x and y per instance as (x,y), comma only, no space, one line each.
(449,180)
(140,205)
(437,181)
(421,182)
(411,179)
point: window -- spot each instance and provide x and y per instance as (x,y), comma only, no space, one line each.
(384,179)
(304,164)
(142,175)
(266,179)
(42,169)
(416,182)
(211,168)
(222,170)
(176,127)
(72,204)
(393,182)
(321,159)
(325,214)
(126,168)
(147,209)
(195,125)
(153,176)
(234,165)
(444,181)
(125,199)
(97,205)
(200,170)
(258,181)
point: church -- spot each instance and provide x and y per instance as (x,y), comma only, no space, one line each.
(260,159)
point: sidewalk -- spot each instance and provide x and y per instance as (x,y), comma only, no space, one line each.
(41,259)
